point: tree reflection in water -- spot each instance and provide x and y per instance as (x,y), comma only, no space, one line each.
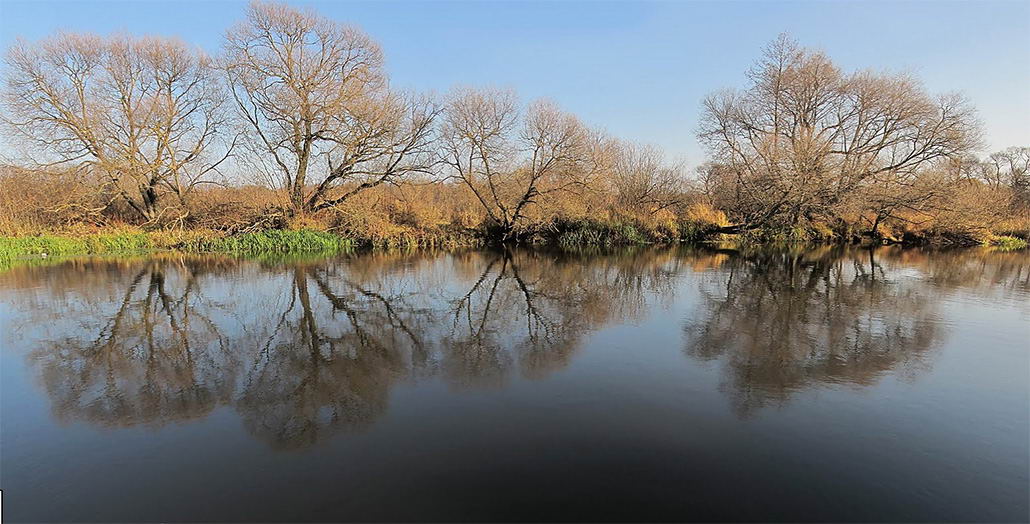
(329,359)
(305,350)
(782,322)
(159,358)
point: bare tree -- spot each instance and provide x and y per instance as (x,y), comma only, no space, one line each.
(509,159)
(1009,169)
(804,137)
(642,180)
(145,113)
(315,96)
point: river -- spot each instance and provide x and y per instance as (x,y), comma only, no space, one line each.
(821,384)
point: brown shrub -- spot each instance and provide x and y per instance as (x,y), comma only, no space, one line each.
(34,201)
(236,208)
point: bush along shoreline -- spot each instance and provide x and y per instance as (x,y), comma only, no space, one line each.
(562,233)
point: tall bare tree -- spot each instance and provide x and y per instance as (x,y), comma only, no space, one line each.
(509,158)
(315,96)
(144,112)
(805,137)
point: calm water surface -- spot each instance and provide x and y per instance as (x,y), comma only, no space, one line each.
(689,384)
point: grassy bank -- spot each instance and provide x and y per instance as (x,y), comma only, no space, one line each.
(1011,239)
(276,242)
(315,236)
(126,242)
(272,241)
(56,245)
(290,241)
(588,232)
(564,233)
(1007,243)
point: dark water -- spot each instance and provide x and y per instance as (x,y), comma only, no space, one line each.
(639,385)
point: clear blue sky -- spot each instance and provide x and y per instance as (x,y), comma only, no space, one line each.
(637,69)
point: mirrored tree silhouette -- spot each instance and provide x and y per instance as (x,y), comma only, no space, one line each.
(304,350)
(329,360)
(783,322)
(157,358)
(307,350)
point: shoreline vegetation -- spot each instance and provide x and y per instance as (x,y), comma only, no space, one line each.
(275,244)
(292,140)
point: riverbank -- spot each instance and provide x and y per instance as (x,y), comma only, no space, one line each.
(273,242)
(126,240)
(137,241)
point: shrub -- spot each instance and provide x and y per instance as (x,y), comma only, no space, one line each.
(1007,243)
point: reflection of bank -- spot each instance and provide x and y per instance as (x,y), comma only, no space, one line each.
(784,322)
(309,350)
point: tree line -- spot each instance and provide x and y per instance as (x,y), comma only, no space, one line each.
(296,120)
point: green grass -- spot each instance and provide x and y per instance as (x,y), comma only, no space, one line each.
(59,245)
(272,243)
(433,238)
(597,233)
(14,248)
(1007,243)
(588,232)
(779,235)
